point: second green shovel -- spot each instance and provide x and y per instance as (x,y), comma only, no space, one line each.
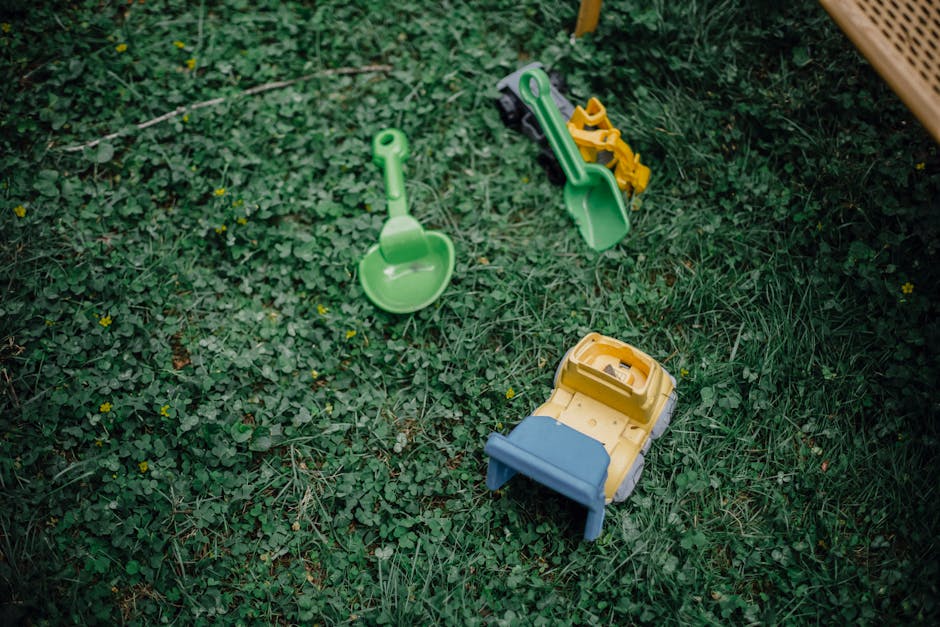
(409,268)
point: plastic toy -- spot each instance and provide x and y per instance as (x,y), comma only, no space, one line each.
(588,440)
(600,142)
(591,193)
(596,137)
(409,268)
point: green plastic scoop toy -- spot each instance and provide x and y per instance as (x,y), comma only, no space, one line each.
(410,267)
(591,193)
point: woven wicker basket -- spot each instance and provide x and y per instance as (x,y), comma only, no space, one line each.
(901,39)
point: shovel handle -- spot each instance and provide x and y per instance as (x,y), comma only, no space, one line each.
(389,151)
(553,125)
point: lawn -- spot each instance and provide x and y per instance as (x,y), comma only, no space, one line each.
(205,421)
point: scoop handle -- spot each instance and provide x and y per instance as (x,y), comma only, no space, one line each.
(389,151)
(553,125)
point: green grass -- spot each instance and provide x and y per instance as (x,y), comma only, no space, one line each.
(260,463)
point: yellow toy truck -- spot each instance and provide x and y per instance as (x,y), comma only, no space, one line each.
(588,440)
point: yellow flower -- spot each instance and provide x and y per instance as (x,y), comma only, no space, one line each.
(186,119)
(219,191)
(510,393)
(314,374)
(5,27)
(98,443)
(105,321)
(322,310)
(20,211)
(105,407)
(191,63)
(907,288)
(144,466)
(242,221)
(179,44)
(920,166)
(165,411)
(221,229)
(350,334)
(121,47)
(683,372)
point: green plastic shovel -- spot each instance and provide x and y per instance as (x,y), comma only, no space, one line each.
(591,193)
(410,267)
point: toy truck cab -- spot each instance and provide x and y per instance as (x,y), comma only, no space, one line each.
(588,439)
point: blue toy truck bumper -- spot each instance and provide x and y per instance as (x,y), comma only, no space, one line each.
(556,456)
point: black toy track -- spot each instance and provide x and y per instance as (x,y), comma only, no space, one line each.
(516,115)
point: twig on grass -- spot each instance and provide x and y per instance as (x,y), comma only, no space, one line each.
(257,89)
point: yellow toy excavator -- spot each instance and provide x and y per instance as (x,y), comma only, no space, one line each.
(599,142)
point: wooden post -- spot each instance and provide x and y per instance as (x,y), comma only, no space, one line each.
(588,15)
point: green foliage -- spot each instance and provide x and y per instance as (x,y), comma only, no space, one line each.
(205,421)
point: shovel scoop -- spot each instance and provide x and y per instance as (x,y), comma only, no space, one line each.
(409,268)
(592,197)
